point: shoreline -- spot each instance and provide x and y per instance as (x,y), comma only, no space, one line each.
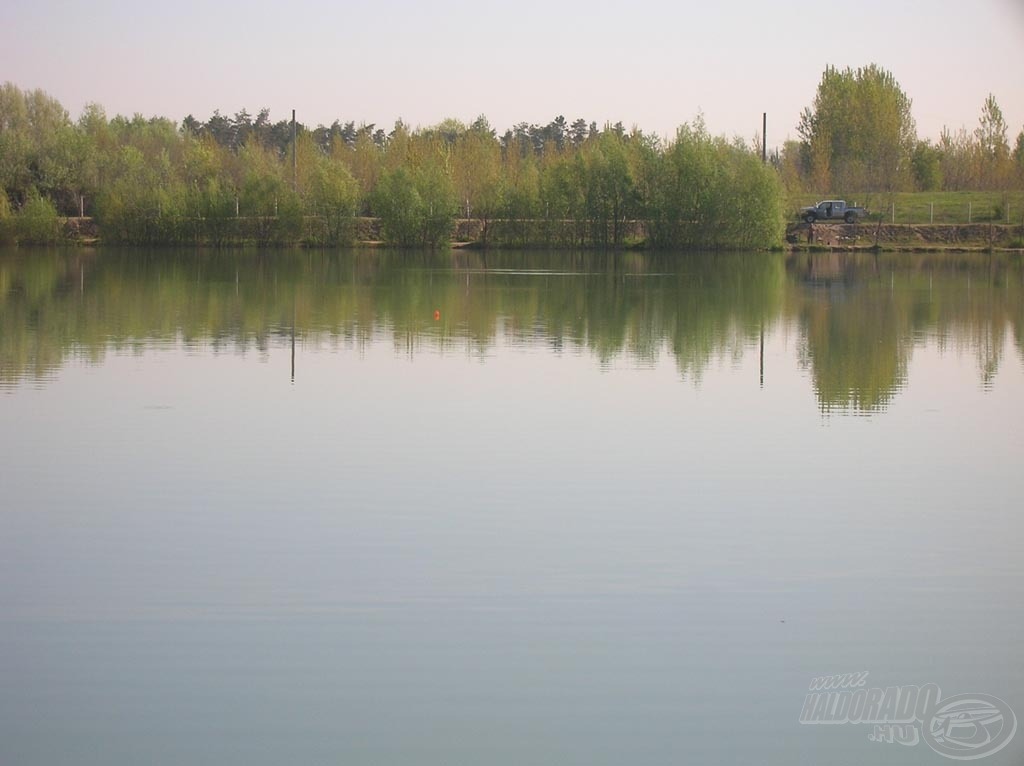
(904,237)
(799,237)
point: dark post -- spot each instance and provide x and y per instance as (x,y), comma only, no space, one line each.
(295,159)
(762,353)
(764,137)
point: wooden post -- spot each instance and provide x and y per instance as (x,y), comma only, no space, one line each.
(970,213)
(931,212)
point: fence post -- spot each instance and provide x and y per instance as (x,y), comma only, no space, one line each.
(969,213)
(894,212)
(931,212)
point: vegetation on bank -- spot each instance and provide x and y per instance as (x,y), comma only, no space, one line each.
(148,181)
(573,185)
(859,136)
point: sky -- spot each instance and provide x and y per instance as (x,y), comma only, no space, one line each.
(655,66)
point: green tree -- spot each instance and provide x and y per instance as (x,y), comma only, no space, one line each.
(927,164)
(993,146)
(522,196)
(477,175)
(6,220)
(1018,157)
(958,160)
(37,222)
(334,195)
(563,197)
(859,134)
(271,208)
(400,207)
(710,193)
(439,204)
(36,143)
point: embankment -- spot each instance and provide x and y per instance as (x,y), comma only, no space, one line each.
(905,237)
(799,236)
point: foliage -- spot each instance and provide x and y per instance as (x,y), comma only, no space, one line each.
(859,137)
(860,134)
(37,222)
(927,166)
(333,194)
(417,208)
(711,194)
(231,179)
(6,220)
(1018,159)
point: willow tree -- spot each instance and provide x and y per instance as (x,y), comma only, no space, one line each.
(859,135)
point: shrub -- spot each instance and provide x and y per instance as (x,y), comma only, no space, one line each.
(6,221)
(37,221)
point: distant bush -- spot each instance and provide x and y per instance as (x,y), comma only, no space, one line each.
(37,222)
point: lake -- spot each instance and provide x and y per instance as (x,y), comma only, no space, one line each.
(463,508)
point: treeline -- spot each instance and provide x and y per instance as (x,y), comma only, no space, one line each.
(241,179)
(859,136)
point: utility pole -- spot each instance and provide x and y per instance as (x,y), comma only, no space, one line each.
(764,137)
(295,158)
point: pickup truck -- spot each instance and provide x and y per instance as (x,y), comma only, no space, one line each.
(832,210)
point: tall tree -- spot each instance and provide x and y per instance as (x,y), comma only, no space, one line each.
(859,134)
(993,146)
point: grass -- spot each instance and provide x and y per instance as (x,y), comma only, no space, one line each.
(930,207)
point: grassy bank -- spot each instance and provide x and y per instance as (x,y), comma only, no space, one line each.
(928,207)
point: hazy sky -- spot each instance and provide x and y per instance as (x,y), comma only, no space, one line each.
(655,65)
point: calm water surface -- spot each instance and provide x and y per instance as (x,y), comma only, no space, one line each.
(387,508)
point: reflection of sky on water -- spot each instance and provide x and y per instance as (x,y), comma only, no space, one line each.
(509,535)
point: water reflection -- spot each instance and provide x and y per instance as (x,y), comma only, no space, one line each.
(861,316)
(858,318)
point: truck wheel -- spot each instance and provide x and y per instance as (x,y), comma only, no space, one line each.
(850,218)
(810,217)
